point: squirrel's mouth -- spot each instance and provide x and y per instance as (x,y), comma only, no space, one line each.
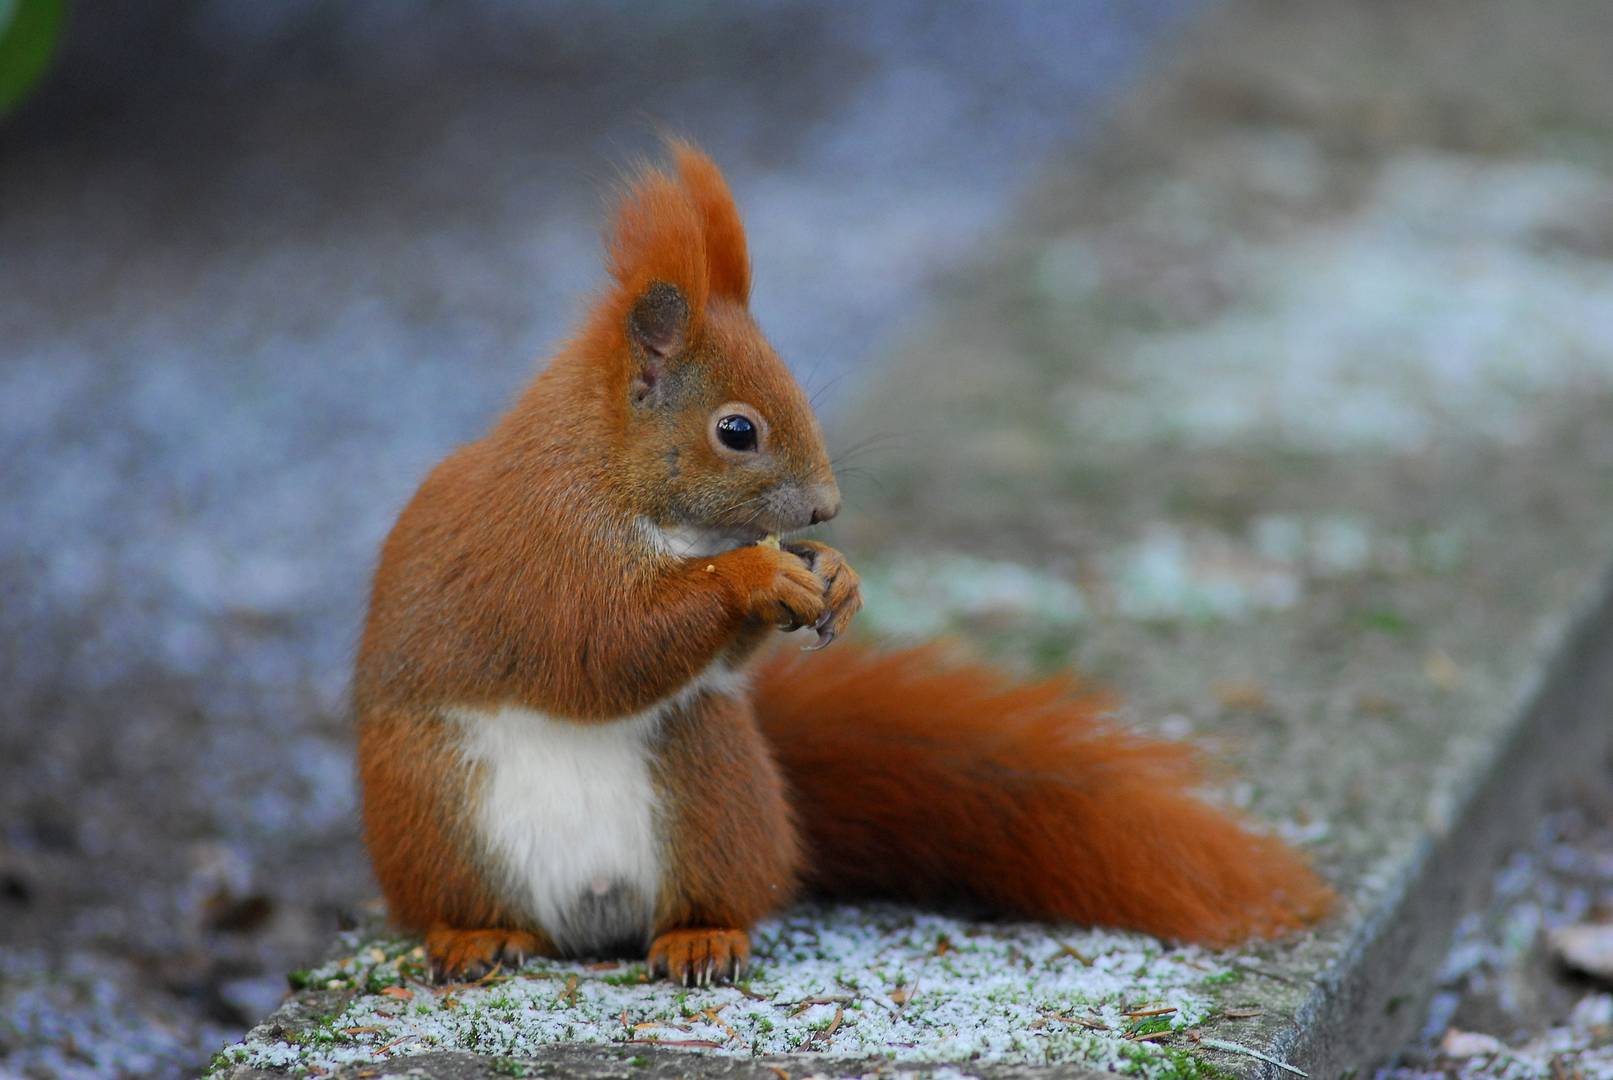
(702,542)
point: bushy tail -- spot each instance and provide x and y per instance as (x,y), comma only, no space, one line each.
(918,778)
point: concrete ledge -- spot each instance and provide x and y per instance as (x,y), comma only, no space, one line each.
(1360,1005)
(648,1063)
(1371,1002)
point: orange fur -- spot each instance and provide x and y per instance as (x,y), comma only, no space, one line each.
(927,780)
(732,853)
(726,253)
(537,568)
(412,823)
(659,234)
(522,573)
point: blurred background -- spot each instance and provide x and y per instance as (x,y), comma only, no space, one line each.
(261,265)
(1151,317)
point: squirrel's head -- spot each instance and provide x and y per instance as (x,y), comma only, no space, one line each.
(715,443)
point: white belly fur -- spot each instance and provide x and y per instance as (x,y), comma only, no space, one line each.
(568,814)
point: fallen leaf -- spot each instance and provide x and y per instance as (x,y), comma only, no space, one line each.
(1441,670)
(379,1050)
(1467,1044)
(1376,704)
(1240,695)
(1585,947)
(1066,949)
(705,1044)
(711,1014)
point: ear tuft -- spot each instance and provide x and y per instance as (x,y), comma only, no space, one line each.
(674,241)
(727,260)
(657,236)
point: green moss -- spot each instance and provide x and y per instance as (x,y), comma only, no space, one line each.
(1385,621)
(320,1031)
(1150,1025)
(1164,1063)
(632,976)
(230,1055)
(379,979)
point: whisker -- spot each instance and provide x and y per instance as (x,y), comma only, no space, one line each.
(878,438)
(856,453)
(859,475)
(833,382)
(740,505)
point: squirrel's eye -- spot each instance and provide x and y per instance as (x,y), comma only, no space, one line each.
(736,432)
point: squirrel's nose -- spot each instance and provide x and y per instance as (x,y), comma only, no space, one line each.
(826,509)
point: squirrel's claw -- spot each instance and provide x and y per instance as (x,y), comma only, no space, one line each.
(699,958)
(467,955)
(842,591)
(826,631)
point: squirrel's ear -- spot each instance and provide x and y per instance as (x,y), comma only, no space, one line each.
(658,328)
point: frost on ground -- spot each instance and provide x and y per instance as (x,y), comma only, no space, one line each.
(1168,572)
(1442,305)
(852,982)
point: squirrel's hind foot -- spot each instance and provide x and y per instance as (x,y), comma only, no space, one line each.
(700,957)
(467,955)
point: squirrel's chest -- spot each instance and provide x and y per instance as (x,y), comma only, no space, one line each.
(567,815)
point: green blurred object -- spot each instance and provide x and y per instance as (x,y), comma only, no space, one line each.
(29,30)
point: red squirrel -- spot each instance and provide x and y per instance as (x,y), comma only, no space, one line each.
(568,745)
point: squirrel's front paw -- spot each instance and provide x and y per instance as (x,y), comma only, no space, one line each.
(842,588)
(775,586)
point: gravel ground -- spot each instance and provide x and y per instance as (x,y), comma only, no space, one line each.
(265,264)
(1507,1007)
(850,982)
